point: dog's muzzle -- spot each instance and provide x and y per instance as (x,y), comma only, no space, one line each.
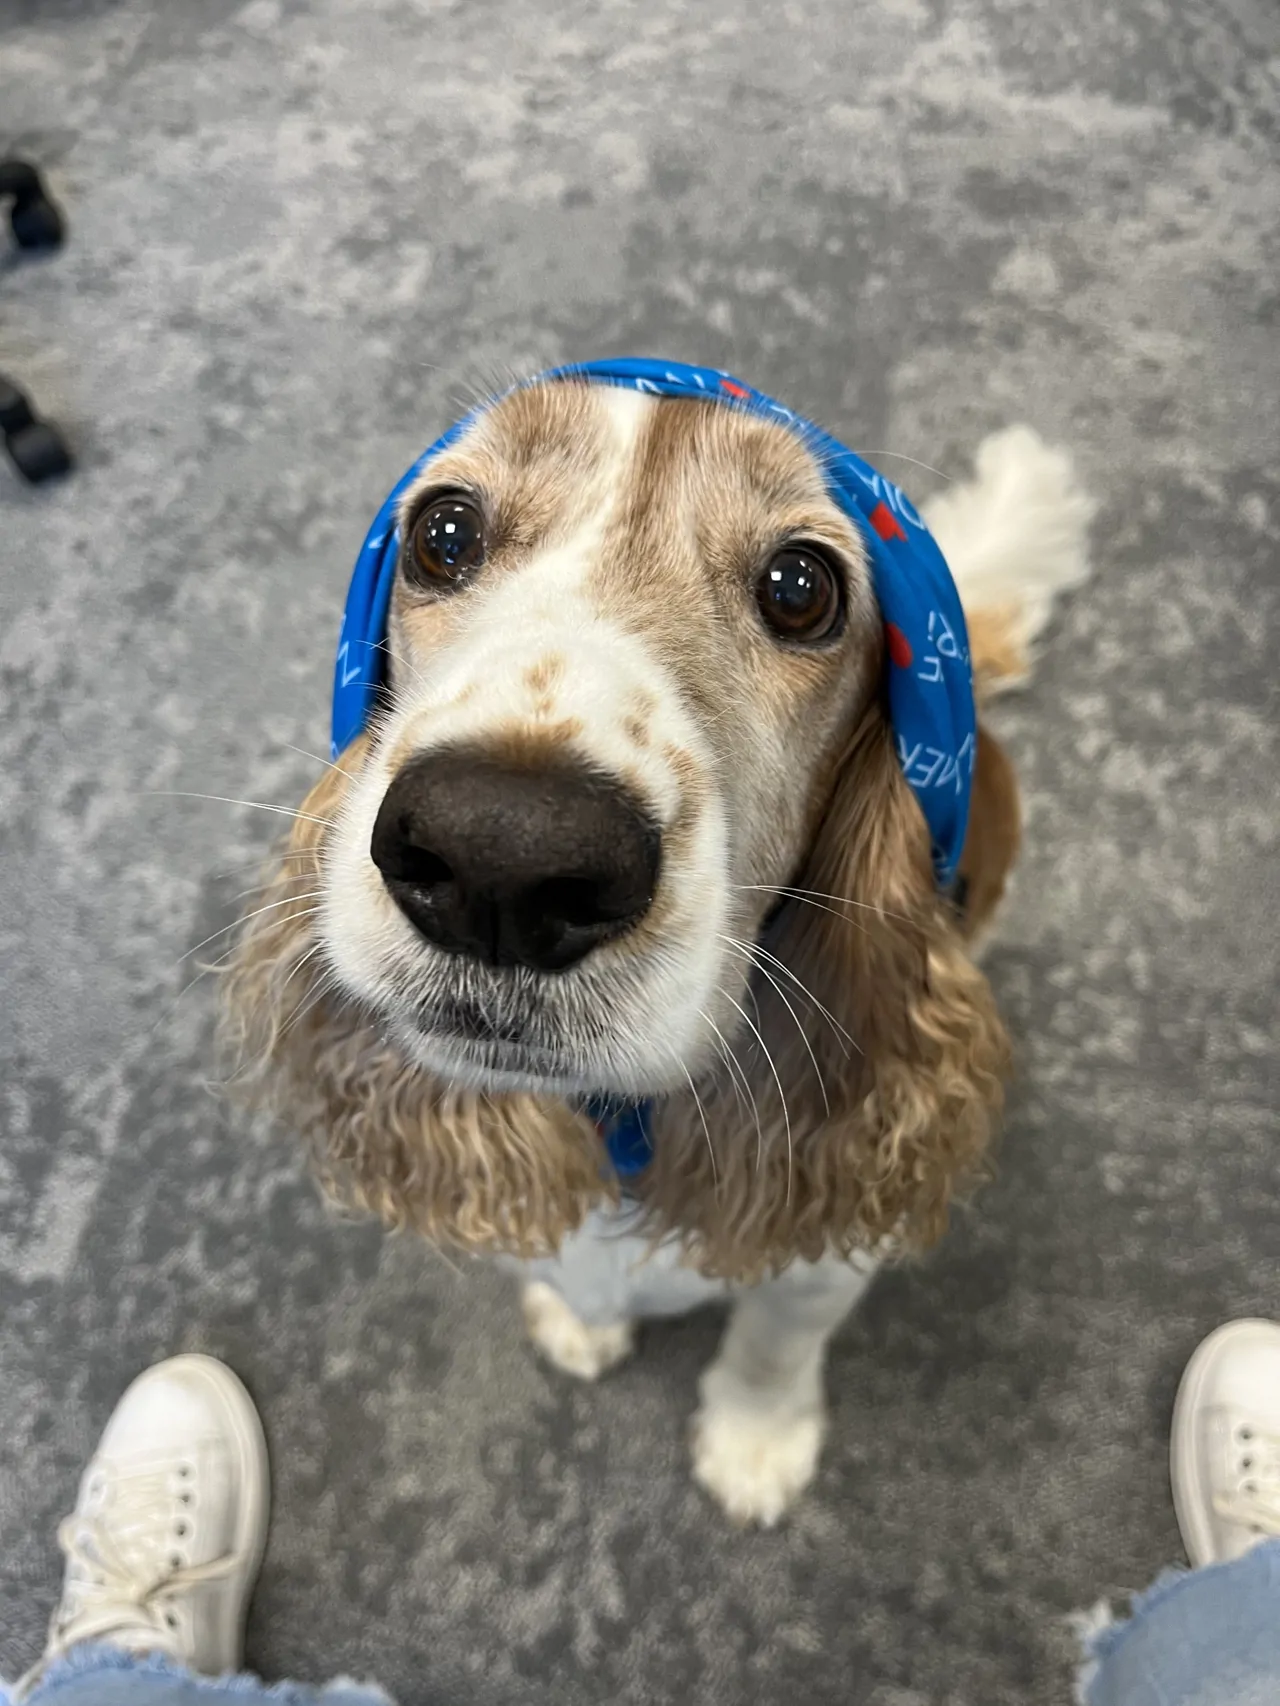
(511,864)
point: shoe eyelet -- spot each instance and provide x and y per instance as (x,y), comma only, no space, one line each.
(171,1619)
(180,1529)
(185,1498)
(1245,1434)
(184,1471)
(1246,1463)
(175,1560)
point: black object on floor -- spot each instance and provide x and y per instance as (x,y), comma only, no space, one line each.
(38,450)
(35,217)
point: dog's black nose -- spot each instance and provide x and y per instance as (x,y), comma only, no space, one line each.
(514,864)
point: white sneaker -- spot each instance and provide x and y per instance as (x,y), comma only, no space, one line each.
(165,1541)
(1224,1452)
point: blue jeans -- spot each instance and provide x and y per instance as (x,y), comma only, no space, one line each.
(1197,1638)
(104,1676)
(1206,1637)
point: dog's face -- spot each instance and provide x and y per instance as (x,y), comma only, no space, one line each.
(634,695)
(628,640)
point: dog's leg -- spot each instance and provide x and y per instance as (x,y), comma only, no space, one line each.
(584,1351)
(759,1429)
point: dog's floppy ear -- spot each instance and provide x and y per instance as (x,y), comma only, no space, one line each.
(913,1110)
(885,1044)
(512,1173)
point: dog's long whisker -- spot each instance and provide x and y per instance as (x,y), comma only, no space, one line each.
(842,1036)
(314,757)
(171,1007)
(901,456)
(414,671)
(782,1095)
(325,984)
(273,882)
(844,1039)
(738,1096)
(735,1066)
(263,862)
(702,1115)
(817,1070)
(298,964)
(271,906)
(265,865)
(226,800)
(819,907)
(816,895)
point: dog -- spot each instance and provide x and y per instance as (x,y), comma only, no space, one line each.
(629,937)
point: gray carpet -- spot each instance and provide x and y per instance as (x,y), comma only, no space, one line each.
(300,233)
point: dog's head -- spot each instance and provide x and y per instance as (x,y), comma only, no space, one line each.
(627,640)
(627,819)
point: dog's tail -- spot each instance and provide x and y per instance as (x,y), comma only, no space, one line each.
(1015,536)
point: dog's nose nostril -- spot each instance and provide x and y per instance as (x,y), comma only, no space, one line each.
(582,902)
(418,866)
(511,864)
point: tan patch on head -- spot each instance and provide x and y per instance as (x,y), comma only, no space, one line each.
(541,679)
(542,676)
(538,464)
(532,746)
(712,492)
(636,730)
(683,765)
(535,460)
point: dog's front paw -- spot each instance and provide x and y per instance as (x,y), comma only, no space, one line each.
(755,1459)
(585,1352)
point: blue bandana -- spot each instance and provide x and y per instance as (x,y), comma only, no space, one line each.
(930,687)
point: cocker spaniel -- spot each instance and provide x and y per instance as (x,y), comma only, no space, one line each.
(630,935)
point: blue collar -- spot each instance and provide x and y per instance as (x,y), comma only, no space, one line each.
(626,1130)
(930,687)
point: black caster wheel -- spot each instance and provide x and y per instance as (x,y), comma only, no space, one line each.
(38,449)
(15,411)
(39,452)
(35,217)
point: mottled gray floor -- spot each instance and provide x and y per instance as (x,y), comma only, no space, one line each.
(299,232)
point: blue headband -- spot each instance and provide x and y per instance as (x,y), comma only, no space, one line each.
(930,687)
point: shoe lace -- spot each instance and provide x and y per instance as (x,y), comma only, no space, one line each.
(1254,1503)
(122,1571)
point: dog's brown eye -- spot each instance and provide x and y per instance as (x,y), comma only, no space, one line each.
(799,596)
(446,544)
